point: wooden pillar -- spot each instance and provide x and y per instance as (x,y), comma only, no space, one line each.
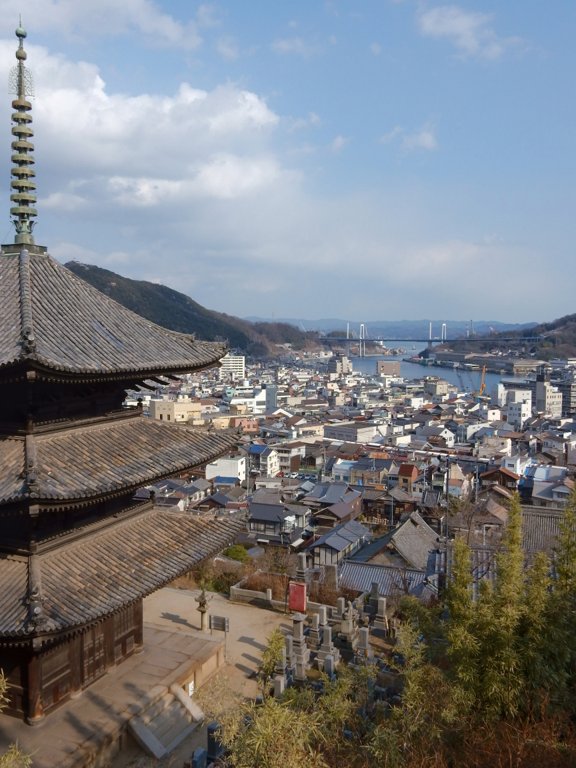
(139,622)
(109,642)
(76,663)
(33,690)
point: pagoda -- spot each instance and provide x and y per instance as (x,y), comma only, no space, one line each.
(77,553)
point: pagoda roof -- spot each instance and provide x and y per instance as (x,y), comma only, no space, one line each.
(56,322)
(85,580)
(121,453)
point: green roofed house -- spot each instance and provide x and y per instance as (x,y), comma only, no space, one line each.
(77,554)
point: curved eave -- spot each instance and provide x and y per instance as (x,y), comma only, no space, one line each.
(57,323)
(75,465)
(44,370)
(128,561)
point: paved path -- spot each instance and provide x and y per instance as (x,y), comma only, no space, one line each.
(249,628)
(171,636)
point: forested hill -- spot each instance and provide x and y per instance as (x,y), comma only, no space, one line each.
(558,338)
(174,310)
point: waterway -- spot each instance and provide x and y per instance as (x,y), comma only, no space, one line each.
(467,381)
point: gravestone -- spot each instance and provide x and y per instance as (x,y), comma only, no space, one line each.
(300,651)
(279,685)
(364,653)
(199,758)
(380,625)
(302,568)
(314,633)
(327,648)
(215,747)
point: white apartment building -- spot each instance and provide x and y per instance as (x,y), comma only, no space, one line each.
(232,368)
(518,413)
(230,466)
(548,399)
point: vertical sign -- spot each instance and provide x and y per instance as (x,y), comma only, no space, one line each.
(297,597)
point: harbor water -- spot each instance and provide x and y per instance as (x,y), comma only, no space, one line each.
(465,380)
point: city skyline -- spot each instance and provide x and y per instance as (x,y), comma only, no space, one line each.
(378,161)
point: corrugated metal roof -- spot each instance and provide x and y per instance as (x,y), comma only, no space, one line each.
(391,581)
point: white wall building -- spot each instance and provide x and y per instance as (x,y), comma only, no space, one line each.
(232,368)
(181,410)
(230,466)
(518,413)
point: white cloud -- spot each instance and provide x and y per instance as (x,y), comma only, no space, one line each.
(390,135)
(228,48)
(338,143)
(312,120)
(145,135)
(207,15)
(424,139)
(226,176)
(64,201)
(375,49)
(109,17)
(294,46)
(470,32)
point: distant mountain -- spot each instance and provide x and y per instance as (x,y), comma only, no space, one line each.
(178,312)
(559,337)
(259,338)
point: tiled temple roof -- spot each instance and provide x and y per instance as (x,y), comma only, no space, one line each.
(83,581)
(84,462)
(53,320)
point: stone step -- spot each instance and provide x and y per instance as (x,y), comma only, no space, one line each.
(162,726)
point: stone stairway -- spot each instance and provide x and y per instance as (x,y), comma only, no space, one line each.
(161,726)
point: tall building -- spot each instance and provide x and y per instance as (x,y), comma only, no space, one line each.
(232,368)
(77,554)
(339,364)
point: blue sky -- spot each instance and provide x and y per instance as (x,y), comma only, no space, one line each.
(362,159)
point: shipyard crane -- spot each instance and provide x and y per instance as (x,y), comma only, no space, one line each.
(482,388)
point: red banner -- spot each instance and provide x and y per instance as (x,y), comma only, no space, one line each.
(297,597)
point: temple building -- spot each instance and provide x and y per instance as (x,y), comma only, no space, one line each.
(77,554)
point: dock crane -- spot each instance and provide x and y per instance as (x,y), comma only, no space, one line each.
(482,388)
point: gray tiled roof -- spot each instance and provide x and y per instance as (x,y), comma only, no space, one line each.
(91,578)
(540,529)
(342,536)
(414,539)
(121,453)
(55,320)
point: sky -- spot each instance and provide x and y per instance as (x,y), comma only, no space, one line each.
(359,159)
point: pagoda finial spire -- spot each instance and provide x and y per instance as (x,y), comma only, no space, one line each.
(23,186)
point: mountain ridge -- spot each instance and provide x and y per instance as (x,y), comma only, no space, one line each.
(259,338)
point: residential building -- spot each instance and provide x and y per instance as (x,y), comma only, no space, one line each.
(227,466)
(232,368)
(181,410)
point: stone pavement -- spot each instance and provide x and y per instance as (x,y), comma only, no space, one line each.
(174,648)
